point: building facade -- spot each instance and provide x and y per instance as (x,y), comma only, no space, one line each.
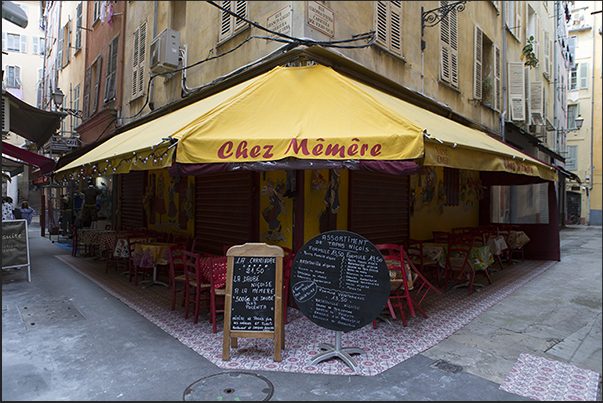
(494,66)
(22,71)
(584,106)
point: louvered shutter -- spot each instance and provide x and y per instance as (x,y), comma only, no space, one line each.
(135,62)
(516,91)
(142,49)
(497,79)
(526,92)
(583,77)
(60,48)
(78,28)
(35,48)
(97,79)
(241,10)
(449,47)
(454,47)
(24,43)
(547,55)
(388,24)
(537,102)
(66,44)
(87,84)
(477,63)
(111,70)
(225,22)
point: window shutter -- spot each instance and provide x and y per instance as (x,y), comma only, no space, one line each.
(454,47)
(78,28)
(17,77)
(4,41)
(477,63)
(526,92)
(60,48)
(87,83)
(226,29)
(497,79)
(66,44)
(241,10)
(134,63)
(517,22)
(35,45)
(445,47)
(388,24)
(547,54)
(111,70)
(516,91)
(98,64)
(537,101)
(24,43)
(573,42)
(142,48)
(583,75)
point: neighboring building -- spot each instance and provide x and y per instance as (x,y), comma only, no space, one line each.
(22,69)
(584,106)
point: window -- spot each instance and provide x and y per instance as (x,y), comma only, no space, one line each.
(229,24)
(486,70)
(38,45)
(523,204)
(96,12)
(532,29)
(573,44)
(451,186)
(537,102)
(78,27)
(547,46)
(13,76)
(111,70)
(14,42)
(573,78)
(388,20)
(449,56)
(572,113)
(571,161)
(138,58)
(583,76)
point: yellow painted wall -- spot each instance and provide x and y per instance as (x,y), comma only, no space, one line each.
(428,212)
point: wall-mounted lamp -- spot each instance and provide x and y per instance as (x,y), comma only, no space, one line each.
(579,121)
(58,97)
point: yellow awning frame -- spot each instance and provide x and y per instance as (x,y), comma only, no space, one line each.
(364,117)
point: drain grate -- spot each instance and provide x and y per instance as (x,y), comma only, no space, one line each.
(446,366)
(230,386)
(49,313)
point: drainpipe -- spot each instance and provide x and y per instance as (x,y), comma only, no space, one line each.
(152,87)
(504,75)
(592,122)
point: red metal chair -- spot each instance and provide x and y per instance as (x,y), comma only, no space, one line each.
(428,268)
(177,277)
(217,279)
(458,266)
(133,269)
(422,285)
(197,292)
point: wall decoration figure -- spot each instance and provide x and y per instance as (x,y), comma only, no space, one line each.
(275,193)
(159,203)
(172,209)
(318,181)
(332,195)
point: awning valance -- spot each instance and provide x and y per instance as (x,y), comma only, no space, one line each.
(22,156)
(308,113)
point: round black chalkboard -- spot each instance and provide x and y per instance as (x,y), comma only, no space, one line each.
(340,280)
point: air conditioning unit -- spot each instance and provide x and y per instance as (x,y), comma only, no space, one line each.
(5,115)
(165,51)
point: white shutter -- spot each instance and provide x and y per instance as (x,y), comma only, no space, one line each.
(4,41)
(17,77)
(477,63)
(497,78)
(516,91)
(226,28)
(60,49)
(583,77)
(547,55)
(526,81)
(24,43)
(134,64)
(241,10)
(388,25)
(35,45)
(449,47)
(537,101)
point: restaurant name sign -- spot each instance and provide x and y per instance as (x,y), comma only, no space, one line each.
(315,148)
(518,167)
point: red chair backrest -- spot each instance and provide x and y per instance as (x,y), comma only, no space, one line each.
(218,268)
(192,266)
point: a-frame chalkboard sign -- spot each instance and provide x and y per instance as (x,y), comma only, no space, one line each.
(254,296)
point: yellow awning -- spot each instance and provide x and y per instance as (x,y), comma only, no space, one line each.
(307,113)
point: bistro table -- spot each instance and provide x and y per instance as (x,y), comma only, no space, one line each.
(152,254)
(497,245)
(480,257)
(91,237)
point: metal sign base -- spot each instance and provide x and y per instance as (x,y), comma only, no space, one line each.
(337,351)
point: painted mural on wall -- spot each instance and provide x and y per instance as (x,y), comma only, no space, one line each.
(168,202)
(273,214)
(428,191)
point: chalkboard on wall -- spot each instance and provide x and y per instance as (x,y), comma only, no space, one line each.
(340,281)
(254,289)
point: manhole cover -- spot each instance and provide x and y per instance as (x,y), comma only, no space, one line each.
(446,366)
(230,386)
(49,313)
